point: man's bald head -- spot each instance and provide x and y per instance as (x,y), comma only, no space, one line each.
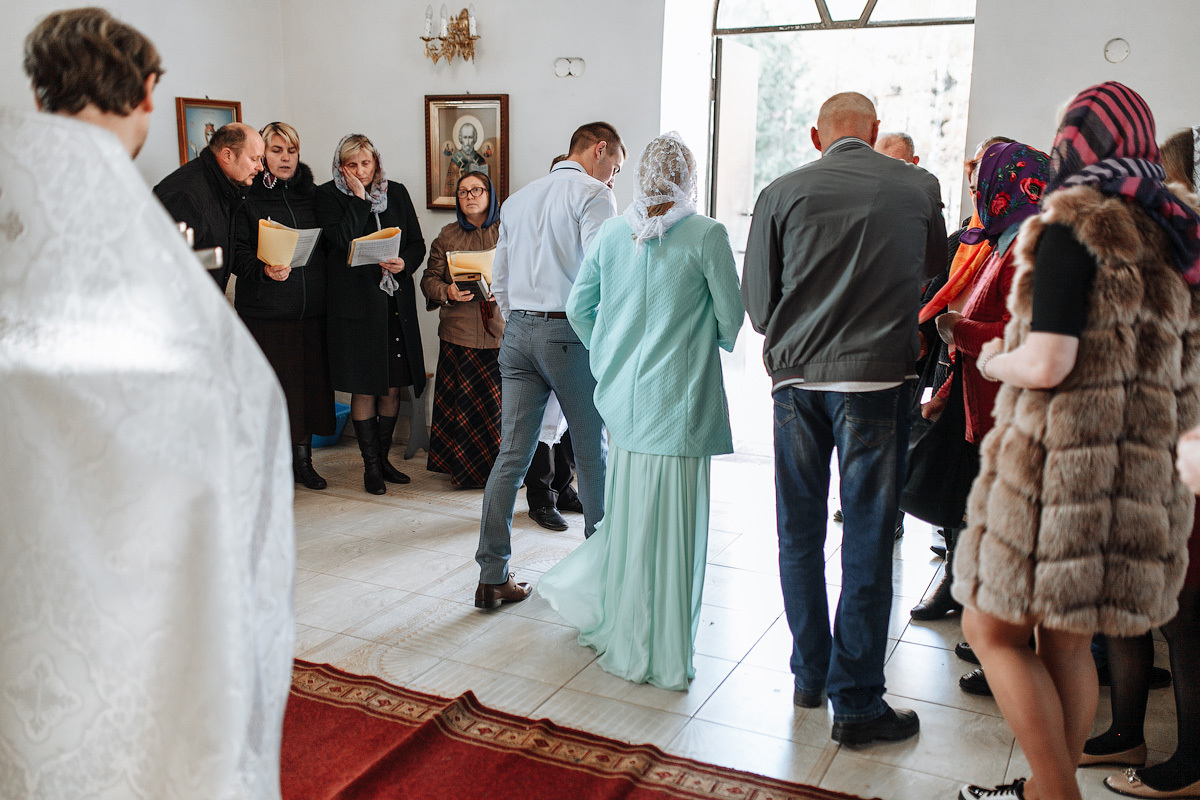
(239,150)
(845,114)
(232,136)
(897,145)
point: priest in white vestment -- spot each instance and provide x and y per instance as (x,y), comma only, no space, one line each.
(146,541)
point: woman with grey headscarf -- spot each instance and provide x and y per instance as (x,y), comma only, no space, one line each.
(656,296)
(374,338)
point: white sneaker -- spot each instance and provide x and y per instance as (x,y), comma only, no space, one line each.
(1008,791)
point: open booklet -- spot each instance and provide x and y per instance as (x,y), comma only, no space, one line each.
(471,270)
(279,245)
(374,247)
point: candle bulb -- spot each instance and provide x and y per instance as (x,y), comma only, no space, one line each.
(445,28)
(471,18)
(428,22)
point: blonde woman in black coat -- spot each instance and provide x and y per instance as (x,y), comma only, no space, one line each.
(374,338)
(284,308)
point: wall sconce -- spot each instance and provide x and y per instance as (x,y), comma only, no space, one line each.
(456,35)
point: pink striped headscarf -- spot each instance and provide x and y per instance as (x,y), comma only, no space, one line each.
(1106,140)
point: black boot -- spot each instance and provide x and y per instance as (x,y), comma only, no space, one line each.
(302,468)
(387,425)
(941,602)
(367,431)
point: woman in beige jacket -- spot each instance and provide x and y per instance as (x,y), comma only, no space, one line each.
(465,435)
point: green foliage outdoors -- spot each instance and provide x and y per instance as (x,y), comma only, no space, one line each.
(784,117)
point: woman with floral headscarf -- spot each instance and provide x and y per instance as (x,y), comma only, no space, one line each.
(656,296)
(1009,186)
(374,338)
(1078,523)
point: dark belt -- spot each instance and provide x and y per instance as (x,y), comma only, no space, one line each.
(544,314)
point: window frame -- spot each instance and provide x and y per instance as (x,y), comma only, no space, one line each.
(828,23)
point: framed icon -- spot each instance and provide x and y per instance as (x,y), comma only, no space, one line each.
(464,133)
(198,119)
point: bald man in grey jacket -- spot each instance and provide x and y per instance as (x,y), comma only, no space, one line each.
(837,253)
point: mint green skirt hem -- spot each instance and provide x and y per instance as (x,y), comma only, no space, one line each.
(634,588)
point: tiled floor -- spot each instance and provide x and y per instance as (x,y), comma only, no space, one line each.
(385,587)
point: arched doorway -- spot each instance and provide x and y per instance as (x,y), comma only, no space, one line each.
(775,62)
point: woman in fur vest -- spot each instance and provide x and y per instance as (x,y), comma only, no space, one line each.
(284,308)
(1078,522)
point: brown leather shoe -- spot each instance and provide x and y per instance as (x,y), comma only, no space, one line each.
(492,595)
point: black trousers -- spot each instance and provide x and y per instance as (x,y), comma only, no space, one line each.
(551,473)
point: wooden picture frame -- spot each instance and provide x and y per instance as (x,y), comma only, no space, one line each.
(464,132)
(198,118)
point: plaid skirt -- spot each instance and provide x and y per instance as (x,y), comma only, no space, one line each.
(465,436)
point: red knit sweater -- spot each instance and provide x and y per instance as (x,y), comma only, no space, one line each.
(984,318)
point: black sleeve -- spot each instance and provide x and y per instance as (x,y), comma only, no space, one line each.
(182,208)
(936,250)
(413,251)
(952,245)
(1062,282)
(245,248)
(342,218)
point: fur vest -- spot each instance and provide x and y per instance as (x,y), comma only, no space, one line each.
(1078,519)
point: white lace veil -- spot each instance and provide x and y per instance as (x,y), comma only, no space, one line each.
(666,173)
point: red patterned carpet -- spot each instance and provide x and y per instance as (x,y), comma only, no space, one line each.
(351,737)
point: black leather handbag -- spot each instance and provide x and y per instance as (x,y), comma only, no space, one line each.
(942,464)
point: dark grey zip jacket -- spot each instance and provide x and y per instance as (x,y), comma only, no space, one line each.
(837,253)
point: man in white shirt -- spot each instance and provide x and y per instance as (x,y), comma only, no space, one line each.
(146,546)
(545,229)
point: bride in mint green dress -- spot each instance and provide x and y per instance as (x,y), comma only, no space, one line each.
(656,296)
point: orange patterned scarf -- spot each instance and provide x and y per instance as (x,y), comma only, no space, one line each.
(967,261)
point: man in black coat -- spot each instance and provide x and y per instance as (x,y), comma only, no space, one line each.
(207,192)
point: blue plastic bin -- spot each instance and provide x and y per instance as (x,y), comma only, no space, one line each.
(342,411)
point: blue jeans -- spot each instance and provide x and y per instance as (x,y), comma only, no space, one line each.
(538,356)
(870,432)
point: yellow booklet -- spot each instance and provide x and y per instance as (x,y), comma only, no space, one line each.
(279,245)
(471,264)
(374,247)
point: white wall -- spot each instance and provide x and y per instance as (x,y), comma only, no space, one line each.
(1022,75)
(364,70)
(334,68)
(330,69)
(687,77)
(223,49)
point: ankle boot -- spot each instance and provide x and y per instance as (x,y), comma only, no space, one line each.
(940,602)
(367,431)
(302,468)
(387,425)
